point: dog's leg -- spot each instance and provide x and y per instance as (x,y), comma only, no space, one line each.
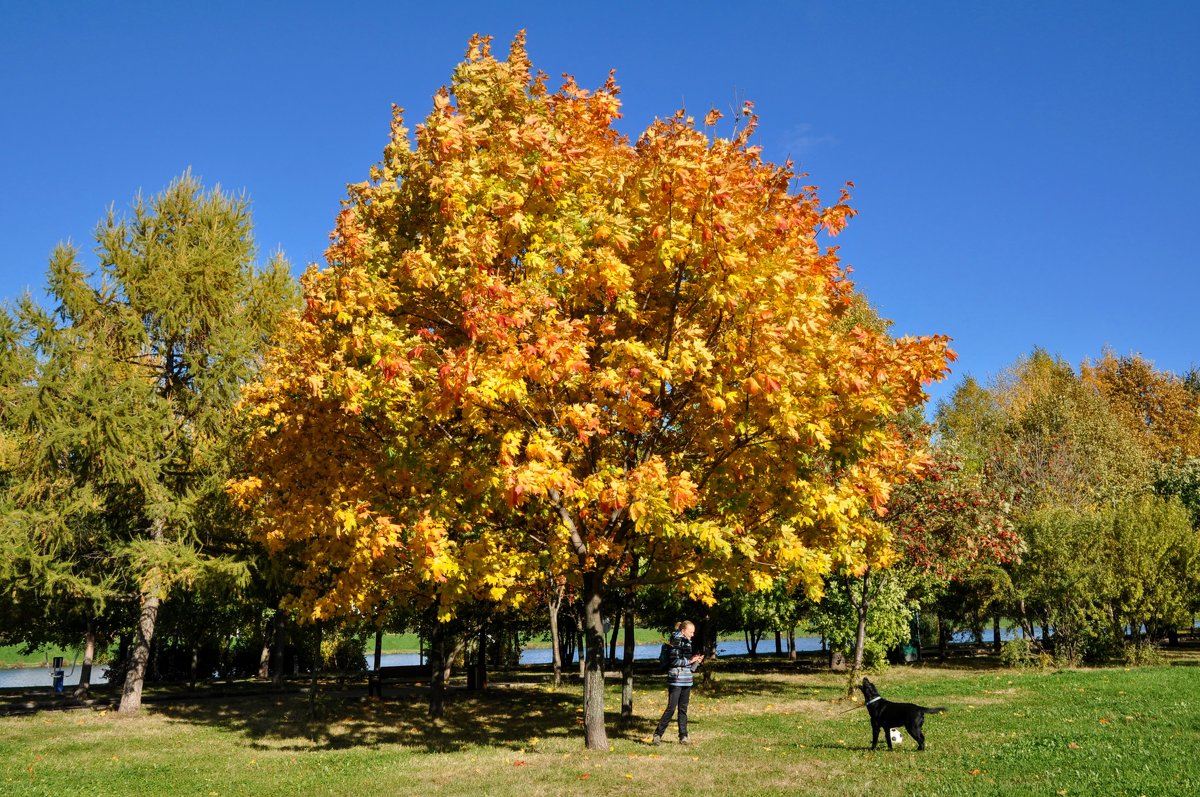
(914,730)
(875,735)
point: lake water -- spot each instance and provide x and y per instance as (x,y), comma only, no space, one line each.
(40,676)
(731,647)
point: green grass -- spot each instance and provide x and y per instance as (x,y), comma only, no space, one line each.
(11,656)
(1080,732)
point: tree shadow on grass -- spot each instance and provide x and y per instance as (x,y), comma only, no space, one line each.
(509,715)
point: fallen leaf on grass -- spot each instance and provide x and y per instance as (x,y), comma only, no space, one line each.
(518,763)
(585,776)
(1105,721)
(1073,746)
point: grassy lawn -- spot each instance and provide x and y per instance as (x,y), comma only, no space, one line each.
(1079,732)
(10,656)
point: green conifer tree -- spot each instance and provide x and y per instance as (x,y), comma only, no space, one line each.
(119,399)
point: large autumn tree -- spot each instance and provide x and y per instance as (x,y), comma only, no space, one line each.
(535,336)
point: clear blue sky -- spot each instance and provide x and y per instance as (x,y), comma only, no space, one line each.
(1027,173)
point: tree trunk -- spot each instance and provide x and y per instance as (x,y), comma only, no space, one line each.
(437,672)
(996,634)
(778,642)
(941,630)
(612,643)
(89,653)
(277,673)
(314,681)
(131,695)
(443,650)
(792,643)
(481,660)
(194,667)
(264,656)
(860,636)
(627,669)
(376,686)
(554,603)
(594,734)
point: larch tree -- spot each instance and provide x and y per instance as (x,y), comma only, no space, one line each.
(124,415)
(1156,406)
(535,337)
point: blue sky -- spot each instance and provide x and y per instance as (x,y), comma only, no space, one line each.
(1026,173)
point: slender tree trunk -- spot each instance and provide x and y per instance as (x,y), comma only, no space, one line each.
(135,677)
(437,672)
(627,669)
(481,661)
(996,634)
(264,655)
(778,642)
(791,653)
(941,629)
(277,673)
(612,643)
(131,695)
(554,603)
(594,733)
(376,689)
(860,635)
(194,667)
(314,681)
(89,654)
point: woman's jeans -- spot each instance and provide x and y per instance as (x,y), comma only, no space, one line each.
(677,697)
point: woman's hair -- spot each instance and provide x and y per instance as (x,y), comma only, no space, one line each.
(682,624)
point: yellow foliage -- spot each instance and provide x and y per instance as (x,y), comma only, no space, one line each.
(539,348)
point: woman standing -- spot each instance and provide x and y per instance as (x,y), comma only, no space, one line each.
(679,680)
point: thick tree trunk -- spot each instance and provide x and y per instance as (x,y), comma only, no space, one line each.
(594,733)
(443,650)
(89,654)
(627,669)
(792,643)
(135,677)
(778,642)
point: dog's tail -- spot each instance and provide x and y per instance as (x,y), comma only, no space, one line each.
(935,710)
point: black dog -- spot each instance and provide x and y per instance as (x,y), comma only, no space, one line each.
(886,715)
